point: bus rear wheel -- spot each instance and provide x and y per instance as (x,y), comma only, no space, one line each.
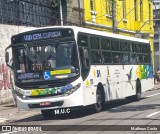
(47,114)
(98,105)
(138,91)
(136,97)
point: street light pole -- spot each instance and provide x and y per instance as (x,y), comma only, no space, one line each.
(61,13)
(79,8)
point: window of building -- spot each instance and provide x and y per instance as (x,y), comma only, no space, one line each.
(92,5)
(109,7)
(135,10)
(141,10)
(124,8)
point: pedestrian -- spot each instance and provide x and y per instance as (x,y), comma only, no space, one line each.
(157,75)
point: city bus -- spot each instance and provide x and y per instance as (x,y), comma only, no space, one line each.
(64,67)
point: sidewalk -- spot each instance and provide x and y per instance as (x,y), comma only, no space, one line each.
(156,86)
(9,112)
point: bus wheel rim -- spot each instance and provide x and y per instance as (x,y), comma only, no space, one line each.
(99,100)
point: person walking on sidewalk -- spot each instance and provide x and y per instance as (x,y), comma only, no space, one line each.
(157,75)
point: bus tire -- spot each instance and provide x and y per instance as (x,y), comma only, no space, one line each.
(47,114)
(98,105)
(136,97)
(138,91)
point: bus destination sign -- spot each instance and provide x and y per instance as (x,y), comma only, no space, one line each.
(39,36)
(42,35)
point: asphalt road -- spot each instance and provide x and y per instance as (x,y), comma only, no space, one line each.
(121,114)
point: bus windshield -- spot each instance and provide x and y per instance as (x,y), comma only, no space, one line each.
(36,62)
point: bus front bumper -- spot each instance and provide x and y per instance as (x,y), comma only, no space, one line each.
(73,100)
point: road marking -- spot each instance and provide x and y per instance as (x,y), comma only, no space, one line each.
(152,95)
(153,114)
(3,120)
(10,132)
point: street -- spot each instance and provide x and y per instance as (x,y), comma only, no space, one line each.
(119,112)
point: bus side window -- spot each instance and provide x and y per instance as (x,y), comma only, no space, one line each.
(116,57)
(132,58)
(106,57)
(84,57)
(139,59)
(83,50)
(96,57)
(125,58)
(124,46)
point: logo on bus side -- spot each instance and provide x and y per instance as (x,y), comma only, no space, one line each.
(97,73)
(144,71)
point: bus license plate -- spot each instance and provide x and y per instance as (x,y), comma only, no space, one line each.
(45,103)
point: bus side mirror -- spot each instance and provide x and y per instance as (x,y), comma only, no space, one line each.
(7,57)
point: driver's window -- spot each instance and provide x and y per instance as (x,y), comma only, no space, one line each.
(83,50)
(84,57)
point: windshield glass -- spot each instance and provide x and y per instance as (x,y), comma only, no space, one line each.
(36,62)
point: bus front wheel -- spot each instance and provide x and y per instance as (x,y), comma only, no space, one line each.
(98,105)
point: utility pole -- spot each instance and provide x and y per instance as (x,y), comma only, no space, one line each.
(79,8)
(61,12)
(114,21)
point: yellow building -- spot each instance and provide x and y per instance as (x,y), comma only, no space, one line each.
(131,17)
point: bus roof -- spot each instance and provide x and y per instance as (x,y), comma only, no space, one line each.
(92,31)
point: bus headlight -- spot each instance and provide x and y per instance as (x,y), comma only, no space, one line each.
(70,91)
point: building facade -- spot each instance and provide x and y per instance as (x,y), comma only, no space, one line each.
(127,17)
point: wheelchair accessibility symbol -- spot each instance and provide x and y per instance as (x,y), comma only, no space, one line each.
(47,75)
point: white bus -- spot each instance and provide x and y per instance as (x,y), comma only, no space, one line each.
(69,66)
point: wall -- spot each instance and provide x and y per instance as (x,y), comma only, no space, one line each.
(73,10)
(6,31)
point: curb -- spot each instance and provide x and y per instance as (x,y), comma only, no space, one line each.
(10,102)
(154,89)
(3,120)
